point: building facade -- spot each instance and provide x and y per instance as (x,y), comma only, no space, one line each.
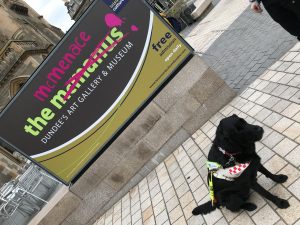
(77,7)
(26,38)
(169,7)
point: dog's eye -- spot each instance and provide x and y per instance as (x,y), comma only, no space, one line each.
(239,127)
(241,124)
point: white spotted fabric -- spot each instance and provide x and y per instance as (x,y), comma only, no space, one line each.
(231,172)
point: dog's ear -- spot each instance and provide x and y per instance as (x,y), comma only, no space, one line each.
(234,115)
(220,129)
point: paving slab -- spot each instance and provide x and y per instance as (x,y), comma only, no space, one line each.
(240,45)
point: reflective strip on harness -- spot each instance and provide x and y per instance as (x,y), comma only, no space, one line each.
(213,165)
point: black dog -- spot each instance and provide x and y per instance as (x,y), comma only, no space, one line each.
(233,165)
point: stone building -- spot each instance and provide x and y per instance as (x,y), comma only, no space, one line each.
(76,7)
(170,7)
(26,38)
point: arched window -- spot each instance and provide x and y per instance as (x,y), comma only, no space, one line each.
(19,34)
(16,84)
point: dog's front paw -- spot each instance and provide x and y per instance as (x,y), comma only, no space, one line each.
(249,206)
(281,178)
(282,203)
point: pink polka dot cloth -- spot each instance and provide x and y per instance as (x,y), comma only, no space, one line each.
(238,169)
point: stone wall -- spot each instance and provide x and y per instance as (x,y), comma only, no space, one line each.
(25,40)
(185,104)
(9,167)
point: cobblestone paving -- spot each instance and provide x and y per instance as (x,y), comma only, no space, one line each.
(237,43)
(170,192)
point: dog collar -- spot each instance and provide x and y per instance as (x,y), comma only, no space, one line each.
(231,156)
(227,153)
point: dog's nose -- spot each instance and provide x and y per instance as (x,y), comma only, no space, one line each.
(259,129)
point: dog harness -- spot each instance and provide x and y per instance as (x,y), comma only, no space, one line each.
(229,173)
(215,169)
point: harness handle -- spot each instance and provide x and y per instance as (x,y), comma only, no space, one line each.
(211,189)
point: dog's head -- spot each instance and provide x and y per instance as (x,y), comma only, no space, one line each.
(235,134)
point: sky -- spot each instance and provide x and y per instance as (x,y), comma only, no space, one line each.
(54,11)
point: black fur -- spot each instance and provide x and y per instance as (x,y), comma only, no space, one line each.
(238,138)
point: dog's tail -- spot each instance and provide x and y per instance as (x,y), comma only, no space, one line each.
(204,208)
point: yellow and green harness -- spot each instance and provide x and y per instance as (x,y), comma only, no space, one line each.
(215,169)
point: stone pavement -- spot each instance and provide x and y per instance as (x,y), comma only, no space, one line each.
(170,192)
(237,43)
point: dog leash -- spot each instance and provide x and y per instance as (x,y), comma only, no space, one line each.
(212,168)
(231,156)
(211,189)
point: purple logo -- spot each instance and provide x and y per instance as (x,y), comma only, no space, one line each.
(116,5)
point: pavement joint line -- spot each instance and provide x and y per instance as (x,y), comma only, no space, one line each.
(186,178)
(169,189)
(151,199)
(292,194)
(295,121)
(276,131)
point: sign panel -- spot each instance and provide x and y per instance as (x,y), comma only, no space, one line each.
(105,69)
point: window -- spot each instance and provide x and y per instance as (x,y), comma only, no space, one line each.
(16,84)
(20,9)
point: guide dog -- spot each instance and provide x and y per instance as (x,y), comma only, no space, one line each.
(232,168)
